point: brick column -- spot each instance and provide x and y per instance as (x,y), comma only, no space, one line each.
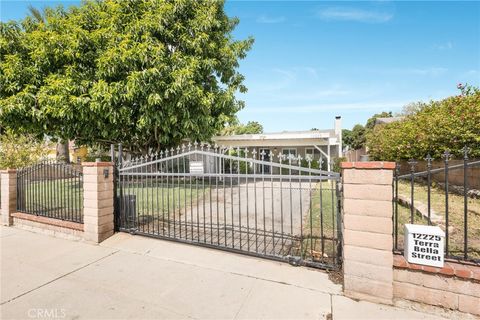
(97,201)
(367,230)
(9,195)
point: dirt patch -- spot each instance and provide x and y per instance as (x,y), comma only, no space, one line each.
(336,276)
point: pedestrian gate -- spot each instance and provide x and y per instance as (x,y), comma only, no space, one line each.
(276,206)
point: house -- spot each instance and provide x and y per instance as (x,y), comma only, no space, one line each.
(315,144)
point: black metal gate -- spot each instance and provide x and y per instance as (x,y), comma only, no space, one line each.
(269,205)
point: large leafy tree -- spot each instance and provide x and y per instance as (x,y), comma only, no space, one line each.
(250,127)
(145,73)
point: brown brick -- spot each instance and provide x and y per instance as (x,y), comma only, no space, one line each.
(462,271)
(368,223)
(368,240)
(447,269)
(368,271)
(370,177)
(426,295)
(367,255)
(368,207)
(437,281)
(469,304)
(367,192)
(369,287)
(430,269)
(475,272)
(368,165)
(399,261)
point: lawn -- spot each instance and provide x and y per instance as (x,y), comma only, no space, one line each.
(163,199)
(319,227)
(455,216)
(59,198)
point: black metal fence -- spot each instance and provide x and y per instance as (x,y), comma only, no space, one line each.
(247,201)
(442,192)
(51,189)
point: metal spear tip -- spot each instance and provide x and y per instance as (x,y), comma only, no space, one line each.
(466,151)
(446,155)
(412,162)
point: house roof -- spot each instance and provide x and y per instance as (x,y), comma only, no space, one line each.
(387,120)
(285,135)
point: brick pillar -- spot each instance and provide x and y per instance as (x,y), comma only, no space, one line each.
(97,201)
(9,195)
(367,230)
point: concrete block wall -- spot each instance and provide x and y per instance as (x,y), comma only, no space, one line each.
(98,198)
(8,183)
(456,286)
(371,271)
(367,230)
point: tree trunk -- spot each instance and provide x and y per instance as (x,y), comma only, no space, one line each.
(63,153)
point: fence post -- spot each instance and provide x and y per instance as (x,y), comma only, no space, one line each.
(8,195)
(368,230)
(97,201)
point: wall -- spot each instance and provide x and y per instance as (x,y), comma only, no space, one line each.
(455,176)
(98,206)
(372,272)
(455,287)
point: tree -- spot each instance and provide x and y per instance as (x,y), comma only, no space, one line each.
(238,128)
(145,73)
(448,124)
(18,151)
(347,138)
(358,137)
(412,108)
(373,119)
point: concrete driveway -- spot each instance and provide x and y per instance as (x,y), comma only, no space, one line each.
(133,277)
(261,205)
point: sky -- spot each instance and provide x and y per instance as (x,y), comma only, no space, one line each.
(314,60)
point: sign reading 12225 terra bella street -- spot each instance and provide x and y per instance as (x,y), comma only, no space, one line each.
(424,245)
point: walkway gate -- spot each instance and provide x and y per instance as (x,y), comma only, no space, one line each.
(269,205)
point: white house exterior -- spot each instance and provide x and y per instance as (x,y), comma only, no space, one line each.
(316,144)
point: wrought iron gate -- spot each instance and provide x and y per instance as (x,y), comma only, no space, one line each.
(270,205)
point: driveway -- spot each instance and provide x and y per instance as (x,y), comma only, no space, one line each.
(271,206)
(133,277)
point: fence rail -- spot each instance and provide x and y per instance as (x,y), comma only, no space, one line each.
(429,197)
(51,189)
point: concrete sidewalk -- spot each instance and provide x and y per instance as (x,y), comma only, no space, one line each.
(133,277)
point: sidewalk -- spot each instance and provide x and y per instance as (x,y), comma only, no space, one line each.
(133,277)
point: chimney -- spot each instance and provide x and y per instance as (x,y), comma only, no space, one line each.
(338,134)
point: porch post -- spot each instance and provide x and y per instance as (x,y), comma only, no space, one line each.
(328,152)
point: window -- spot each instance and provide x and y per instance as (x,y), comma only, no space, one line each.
(290,153)
(309,153)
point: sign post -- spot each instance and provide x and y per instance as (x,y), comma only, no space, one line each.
(424,245)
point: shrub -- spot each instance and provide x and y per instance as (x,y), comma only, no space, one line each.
(449,124)
(18,151)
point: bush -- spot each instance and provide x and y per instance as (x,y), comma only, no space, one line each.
(18,151)
(449,124)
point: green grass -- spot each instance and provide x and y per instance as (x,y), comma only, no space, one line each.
(319,227)
(49,197)
(160,200)
(455,216)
